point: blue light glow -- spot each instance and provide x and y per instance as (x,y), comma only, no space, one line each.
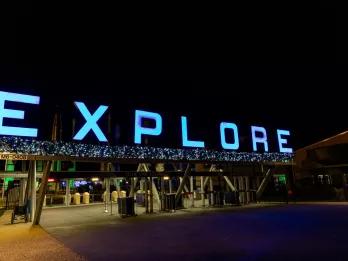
(91,122)
(140,130)
(16,114)
(282,141)
(262,139)
(56,150)
(224,144)
(185,141)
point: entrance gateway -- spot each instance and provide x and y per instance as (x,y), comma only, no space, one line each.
(192,170)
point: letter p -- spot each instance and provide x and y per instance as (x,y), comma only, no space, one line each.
(140,130)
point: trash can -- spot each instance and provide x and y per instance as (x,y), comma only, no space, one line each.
(170,202)
(85,198)
(76,198)
(218,198)
(123,194)
(126,206)
(232,198)
(114,196)
(140,198)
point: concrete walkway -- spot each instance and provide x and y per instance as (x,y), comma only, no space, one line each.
(262,232)
(302,231)
(21,241)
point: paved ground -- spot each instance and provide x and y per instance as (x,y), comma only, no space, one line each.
(23,242)
(293,232)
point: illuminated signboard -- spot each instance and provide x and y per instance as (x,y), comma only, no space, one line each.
(259,139)
(16,114)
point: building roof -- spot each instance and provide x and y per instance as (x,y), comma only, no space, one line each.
(334,140)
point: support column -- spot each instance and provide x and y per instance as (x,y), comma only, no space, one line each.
(3,190)
(185,187)
(182,184)
(32,177)
(142,184)
(42,192)
(131,192)
(229,183)
(235,182)
(205,182)
(28,187)
(146,196)
(191,192)
(151,194)
(247,188)
(170,185)
(202,191)
(240,188)
(211,191)
(242,180)
(263,184)
(107,190)
(162,194)
(155,193)
(67,193)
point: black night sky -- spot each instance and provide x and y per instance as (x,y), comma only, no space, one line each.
(278,71)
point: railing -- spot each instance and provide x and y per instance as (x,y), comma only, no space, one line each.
(12,198)
(60,199)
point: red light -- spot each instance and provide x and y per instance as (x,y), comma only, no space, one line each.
(50,180)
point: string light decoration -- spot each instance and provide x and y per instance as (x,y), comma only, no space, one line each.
(34,147)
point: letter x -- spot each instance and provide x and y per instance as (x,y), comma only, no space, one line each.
(91,122)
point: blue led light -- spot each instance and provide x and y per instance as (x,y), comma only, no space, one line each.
(91,122)
(51,149)
(185,141)
(224,144)
(139,130)
(262,139)
(282,141)
(16,114)
(32,147)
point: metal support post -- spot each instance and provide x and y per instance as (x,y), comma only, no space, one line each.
(146,196)
(162,194)
(211,188)
(67,193)
(131,192)
(107,194)
(247,189)
(202,191)
(32,177)
(191,192)
(151,194)
(242,188)
(42,192)
(263,184)
(170,185)
(229,183)
(185,187)
(182,184)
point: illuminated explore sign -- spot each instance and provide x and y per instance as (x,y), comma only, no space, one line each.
(258,134)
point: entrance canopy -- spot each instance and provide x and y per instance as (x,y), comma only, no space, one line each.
(16,148)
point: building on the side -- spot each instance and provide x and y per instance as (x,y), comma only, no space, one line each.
(321,169)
